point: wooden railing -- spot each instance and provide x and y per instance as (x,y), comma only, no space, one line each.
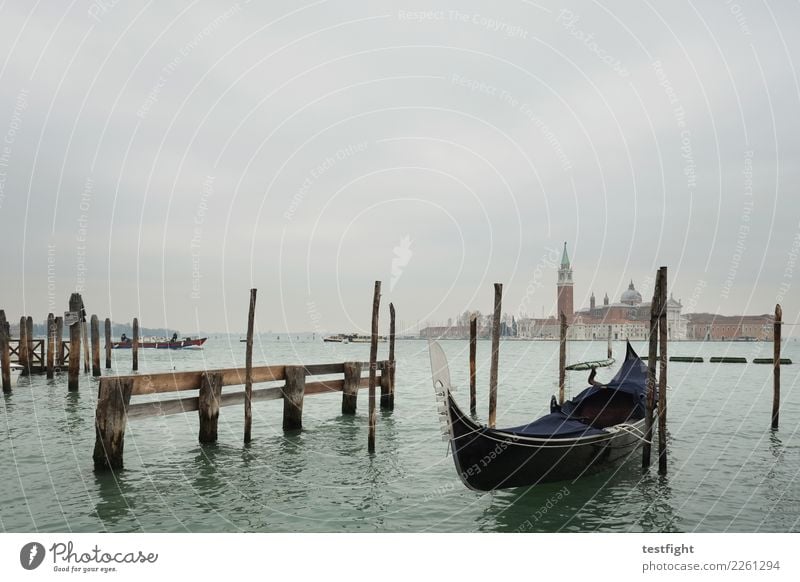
(115,405)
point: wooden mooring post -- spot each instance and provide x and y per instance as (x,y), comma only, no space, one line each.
(248,368)
(562,357)
(776,365)
(352,382)
(650,397)
(608,350)
(662,375)
(108,342)
(373,362)
(135,345)
(5,355)
(208,406)
(51,344)
(59,343)
(95,330)
(22,348)
(495,361)
(85,339)
(473,353)
(387,376)
(110,418)
(74,343)
(293,392)
(29,342)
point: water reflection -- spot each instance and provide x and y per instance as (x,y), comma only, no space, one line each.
(113,506)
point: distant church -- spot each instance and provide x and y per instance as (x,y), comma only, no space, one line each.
(628,319)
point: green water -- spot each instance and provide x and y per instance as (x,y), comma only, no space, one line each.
(727,470)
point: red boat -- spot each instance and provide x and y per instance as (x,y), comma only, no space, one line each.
(161,343)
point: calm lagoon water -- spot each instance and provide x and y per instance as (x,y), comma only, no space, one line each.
(727,470)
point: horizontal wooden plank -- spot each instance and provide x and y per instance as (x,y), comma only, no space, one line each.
(180,405)
(179,381)
(321,369)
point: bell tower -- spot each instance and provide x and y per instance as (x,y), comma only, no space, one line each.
(564,287)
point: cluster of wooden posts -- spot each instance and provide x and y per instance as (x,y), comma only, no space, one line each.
(52,354)
(114,406)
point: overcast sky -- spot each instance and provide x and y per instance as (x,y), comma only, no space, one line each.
(166,158)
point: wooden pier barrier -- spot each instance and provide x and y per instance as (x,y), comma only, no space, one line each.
(208,406)
(51,344)
(135,345)
(373,358)
(248,368)
(650,399)
(562,357)
(59,343)
(107,331)
(94,325)
(5,355)
(111,417)
(662,376)
(776,366)
(74,343)
(387,384)
(784,361)
(727,360)
(473,353)
(22,349)
(352,382)
(495,361)
(116,405)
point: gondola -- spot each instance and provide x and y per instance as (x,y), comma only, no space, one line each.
(598,429)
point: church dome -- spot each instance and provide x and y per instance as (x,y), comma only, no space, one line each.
(631,296)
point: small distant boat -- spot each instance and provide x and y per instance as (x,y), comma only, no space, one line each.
(598,429)
(161,343)
(591,364)
(351,338)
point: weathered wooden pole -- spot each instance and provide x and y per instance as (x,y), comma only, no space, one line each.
(392,363)
(562,357)
(373,363)
(473,352)
(29,337)
(208,406)
(111,417)
(352,382)
(248,368)
(108,342)
(51,344)
(5,356)
(293,392)
(135,345)
(651,375)
(85,338)
(59,342)
(74,343)
(776,365)
(95,329)
(22,348)
(609,342)
(495,362)
(662,375)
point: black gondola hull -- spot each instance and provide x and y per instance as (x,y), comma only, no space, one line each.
(488,459)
